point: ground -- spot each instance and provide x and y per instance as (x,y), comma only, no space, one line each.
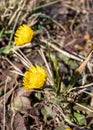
(62,44)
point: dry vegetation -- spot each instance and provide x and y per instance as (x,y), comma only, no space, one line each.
(62,44)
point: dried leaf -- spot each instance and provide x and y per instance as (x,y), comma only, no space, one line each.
(21,104)
(82,66)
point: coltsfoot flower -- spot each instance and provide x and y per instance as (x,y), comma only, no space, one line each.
(34,78)
(23,35)
(68,128)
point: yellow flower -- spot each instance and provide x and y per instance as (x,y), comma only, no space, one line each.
(34,77)
(68,128)
(23,35)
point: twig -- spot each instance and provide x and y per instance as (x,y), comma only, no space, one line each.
(22,54)
(91,94)
(12,120)
(86,108)
(48,68)
(23,60)
(63,115)
(5,103)
(43,57)
(16,68)
(16,72)
(81,87)
(62,51)
(44,5)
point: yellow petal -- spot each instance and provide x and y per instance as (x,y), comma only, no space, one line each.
(34,78)
(23,35)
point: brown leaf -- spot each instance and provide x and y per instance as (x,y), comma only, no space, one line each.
(82,66)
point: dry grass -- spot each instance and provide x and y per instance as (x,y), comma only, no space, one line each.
(63,40)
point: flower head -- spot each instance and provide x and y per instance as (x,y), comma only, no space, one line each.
(34,78)
(23,35)
(68,128)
